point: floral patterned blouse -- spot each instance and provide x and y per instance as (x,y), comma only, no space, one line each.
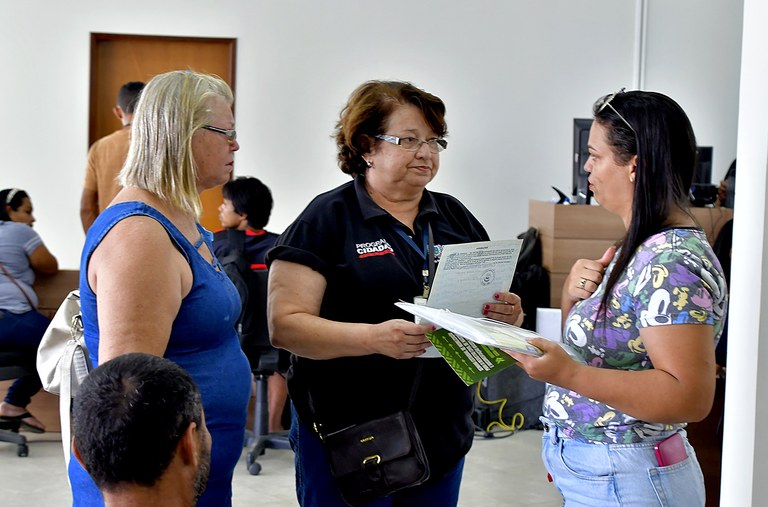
(673,278)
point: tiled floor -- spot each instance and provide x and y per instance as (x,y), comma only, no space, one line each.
(498,471)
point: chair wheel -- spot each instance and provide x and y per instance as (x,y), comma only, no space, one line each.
(22,451)
(254,468)
(258,449)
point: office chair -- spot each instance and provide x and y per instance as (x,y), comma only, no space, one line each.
(264,362)
(11,367)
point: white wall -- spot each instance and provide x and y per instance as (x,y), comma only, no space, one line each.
(745,448)
(512,73)
(693,56)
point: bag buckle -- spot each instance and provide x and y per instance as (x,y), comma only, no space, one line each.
(316,426)
(372,460)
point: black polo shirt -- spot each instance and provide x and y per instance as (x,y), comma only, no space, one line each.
(368,266)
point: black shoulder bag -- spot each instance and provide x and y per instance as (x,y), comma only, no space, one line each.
(378,458)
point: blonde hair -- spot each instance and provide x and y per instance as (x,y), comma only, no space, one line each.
(171,108)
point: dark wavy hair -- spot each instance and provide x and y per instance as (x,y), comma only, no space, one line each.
(366,114)
(250,197)
(662,138)
(129,417)
(16,196)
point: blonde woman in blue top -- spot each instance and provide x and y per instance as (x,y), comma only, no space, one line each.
(644,317)
(149,281)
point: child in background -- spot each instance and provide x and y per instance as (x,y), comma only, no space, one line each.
(247,206)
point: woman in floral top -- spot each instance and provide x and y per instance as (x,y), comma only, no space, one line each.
(645,318)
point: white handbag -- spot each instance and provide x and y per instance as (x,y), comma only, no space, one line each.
(63,361)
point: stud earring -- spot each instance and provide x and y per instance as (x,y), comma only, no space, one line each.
(369,163)
(631,178)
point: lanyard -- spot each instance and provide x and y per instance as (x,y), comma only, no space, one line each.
(427,253)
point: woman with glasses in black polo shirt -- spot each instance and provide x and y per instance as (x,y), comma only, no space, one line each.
(644,317)
(335,275)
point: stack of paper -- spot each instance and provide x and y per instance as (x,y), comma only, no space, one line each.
(470,345)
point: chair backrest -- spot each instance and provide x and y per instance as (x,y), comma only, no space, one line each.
(254,334)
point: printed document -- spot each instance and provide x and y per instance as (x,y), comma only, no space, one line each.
(469,274)
(467,277)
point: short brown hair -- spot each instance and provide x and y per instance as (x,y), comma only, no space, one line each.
(366,113)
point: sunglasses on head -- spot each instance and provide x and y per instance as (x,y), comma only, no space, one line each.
(606,102)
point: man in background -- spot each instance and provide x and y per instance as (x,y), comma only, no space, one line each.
(106,157)
(139,431)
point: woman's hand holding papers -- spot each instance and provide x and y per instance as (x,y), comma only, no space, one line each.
(554,365)
(506,308)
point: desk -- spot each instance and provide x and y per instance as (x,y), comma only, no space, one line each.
(571,232)
(51,291)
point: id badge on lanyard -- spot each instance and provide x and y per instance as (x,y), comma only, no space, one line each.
(427,253)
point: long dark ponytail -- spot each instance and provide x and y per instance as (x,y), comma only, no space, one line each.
(656,129)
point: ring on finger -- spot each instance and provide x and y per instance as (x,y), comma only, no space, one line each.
(582,283)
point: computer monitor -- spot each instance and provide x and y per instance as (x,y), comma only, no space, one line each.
(580,191)
(703,192)
(703,171)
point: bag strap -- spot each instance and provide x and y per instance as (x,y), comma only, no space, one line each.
(235,244)
(65,399)
(235,250)
(416,379)
(71,349)
(317,425)
(236,240)
(13,280)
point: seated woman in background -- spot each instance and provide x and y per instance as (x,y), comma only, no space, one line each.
(645,318)
(22,254)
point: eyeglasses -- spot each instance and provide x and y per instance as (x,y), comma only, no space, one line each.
(606,102)
(435,145)
(231,135)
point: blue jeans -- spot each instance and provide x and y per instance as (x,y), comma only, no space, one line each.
(316,487)
(623,475)
(22,332)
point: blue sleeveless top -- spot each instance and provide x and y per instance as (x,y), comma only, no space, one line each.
(203,341)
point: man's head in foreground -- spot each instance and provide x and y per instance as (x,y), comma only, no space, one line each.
(139,430)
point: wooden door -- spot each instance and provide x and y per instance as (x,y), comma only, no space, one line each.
(119,58)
